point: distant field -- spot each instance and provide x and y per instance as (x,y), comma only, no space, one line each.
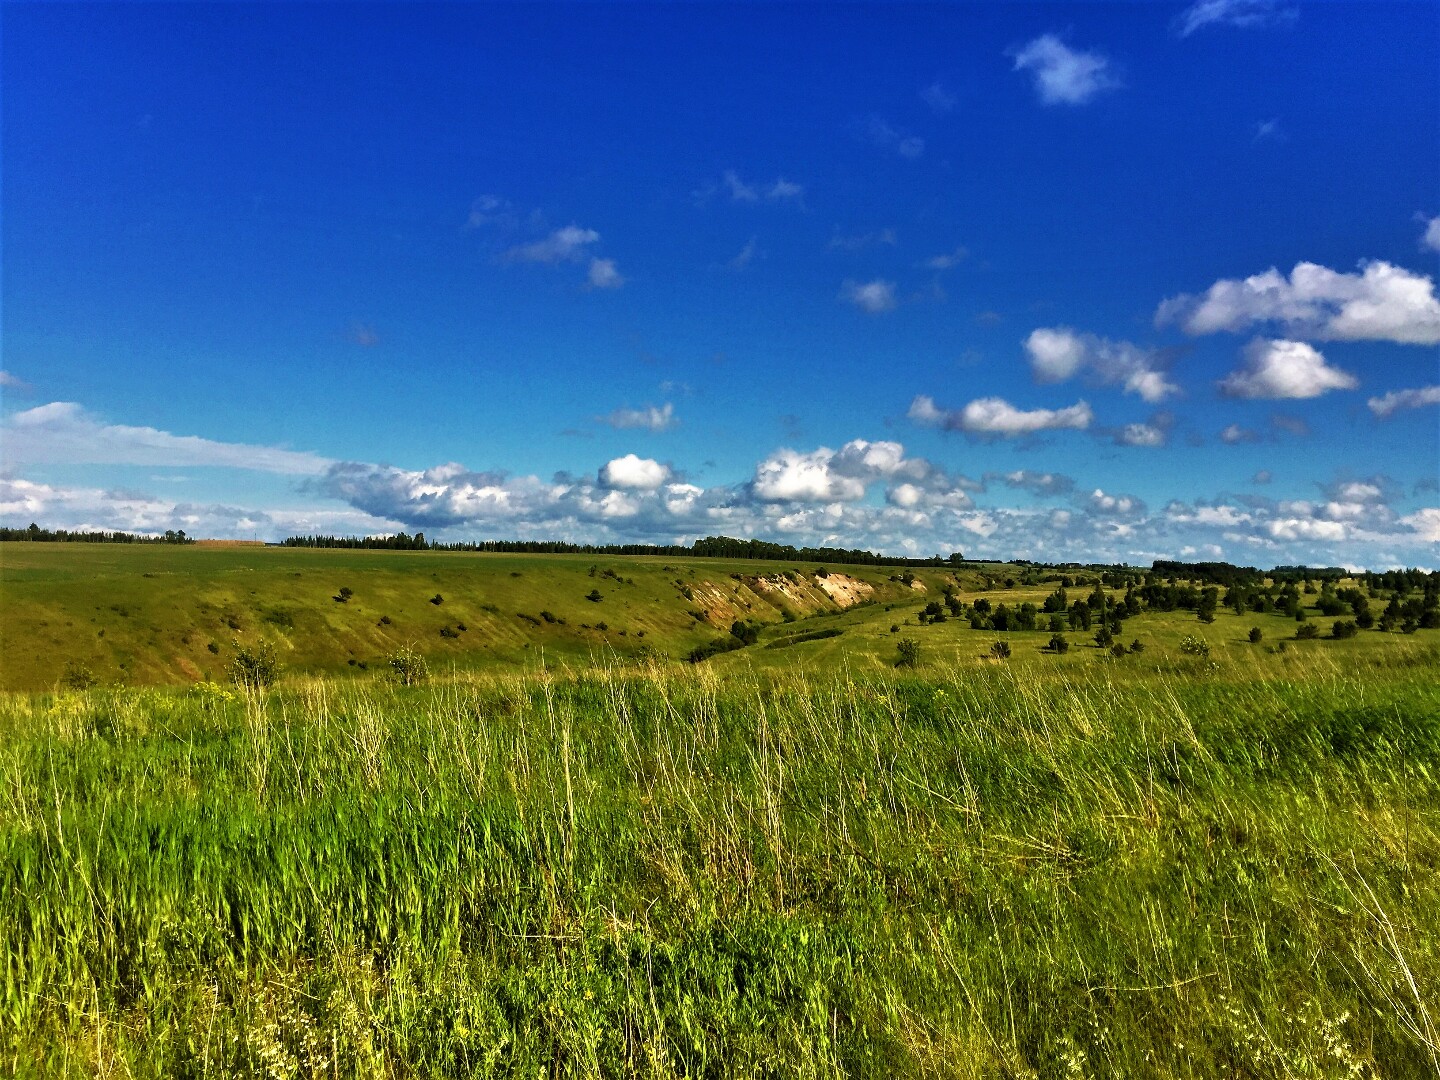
(162,614)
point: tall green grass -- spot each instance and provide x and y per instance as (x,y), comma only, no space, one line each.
(1168,870)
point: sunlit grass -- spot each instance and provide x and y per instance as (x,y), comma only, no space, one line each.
(1108,871)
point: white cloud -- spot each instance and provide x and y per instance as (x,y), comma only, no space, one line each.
(1284,369)
(1064,76)
(1037,483)
(1059,353)
(947,261)
(745,257)
(938,97)
(1268,130)
(792,476)
(1388,404)
(1141,435)
(1263,476)
(778,190)
(1235,434)
(631,471)
(1242,13)
(568,244)
(650,418)
(1115,504)
(1381,303)
(1430,238)
(871,297)
(739,190)
(996,416)
(826,475)
(12,382)
(881,134)
(604,275)
(63,433)
(1426,523)
(782,189)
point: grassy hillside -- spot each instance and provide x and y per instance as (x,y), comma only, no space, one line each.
(149,615)
(1195,868)
(173,614)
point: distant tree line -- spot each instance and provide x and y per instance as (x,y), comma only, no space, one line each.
(63,536)
(711,547)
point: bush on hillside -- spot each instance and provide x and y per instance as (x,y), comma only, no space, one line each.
(407,667)
(1191,645)
(254,668)
(907,651)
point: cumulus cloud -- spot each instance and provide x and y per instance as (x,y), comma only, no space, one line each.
(826,475)
(632,471)
(1115,504)
(871,297)
(1380,303)
(648,418)
(568,244)
(1059,353)
(1386,405)
(1241,13)
(995,416)
(1064,76)
(1142,435)
(604,275)
(63,433)
(1284,369)
(1234,434)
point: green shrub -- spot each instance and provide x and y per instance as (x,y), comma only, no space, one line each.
(1000,650)
(1137,646)
(1307,631)
(407,667)
(1343,629)
(1191,645)
(254,668)
(907,652)
(77,676)
(1255,635)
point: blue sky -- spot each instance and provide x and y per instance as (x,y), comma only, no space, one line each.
(1071,281)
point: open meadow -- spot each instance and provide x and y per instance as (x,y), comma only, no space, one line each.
(585,859)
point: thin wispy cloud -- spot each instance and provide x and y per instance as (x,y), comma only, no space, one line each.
(63,433)
(1387,405)
(745,256)
(946,261)
(1247,14)
(863,241)
(567,244)
(1062,75)
(878,132)
(939,98)
(779,190)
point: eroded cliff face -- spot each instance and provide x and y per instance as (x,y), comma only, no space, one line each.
(766,597)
